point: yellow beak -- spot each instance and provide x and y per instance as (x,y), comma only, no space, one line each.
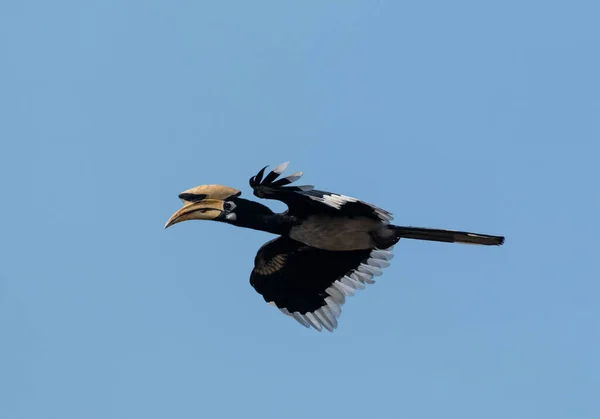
(207,209)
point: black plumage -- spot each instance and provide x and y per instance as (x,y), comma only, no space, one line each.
(329,245)
(295,276)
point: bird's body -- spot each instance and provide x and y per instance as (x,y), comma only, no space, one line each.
(329,245)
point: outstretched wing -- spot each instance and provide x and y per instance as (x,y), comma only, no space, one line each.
(311,284)
(305,200)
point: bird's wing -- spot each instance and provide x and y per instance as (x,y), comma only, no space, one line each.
(311,284)
(305,200)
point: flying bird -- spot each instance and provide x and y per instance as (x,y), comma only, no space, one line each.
(328,245)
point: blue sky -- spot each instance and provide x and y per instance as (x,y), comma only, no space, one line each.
(482,116)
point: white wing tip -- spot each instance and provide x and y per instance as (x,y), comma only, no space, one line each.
(281,168)
(327,315)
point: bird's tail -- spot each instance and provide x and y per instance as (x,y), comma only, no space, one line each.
(447,236)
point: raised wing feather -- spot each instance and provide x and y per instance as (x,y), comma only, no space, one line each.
(305,200)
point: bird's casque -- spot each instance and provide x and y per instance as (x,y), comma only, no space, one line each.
(205,202)
(328,245)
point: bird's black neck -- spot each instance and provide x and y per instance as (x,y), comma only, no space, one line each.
(251,214)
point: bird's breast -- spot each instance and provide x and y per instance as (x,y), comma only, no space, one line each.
(336,233)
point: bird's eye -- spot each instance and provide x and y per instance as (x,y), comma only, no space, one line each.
(228,206)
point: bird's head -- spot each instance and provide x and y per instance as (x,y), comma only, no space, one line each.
(206,202)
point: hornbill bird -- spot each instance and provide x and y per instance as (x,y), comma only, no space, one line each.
(329,245)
